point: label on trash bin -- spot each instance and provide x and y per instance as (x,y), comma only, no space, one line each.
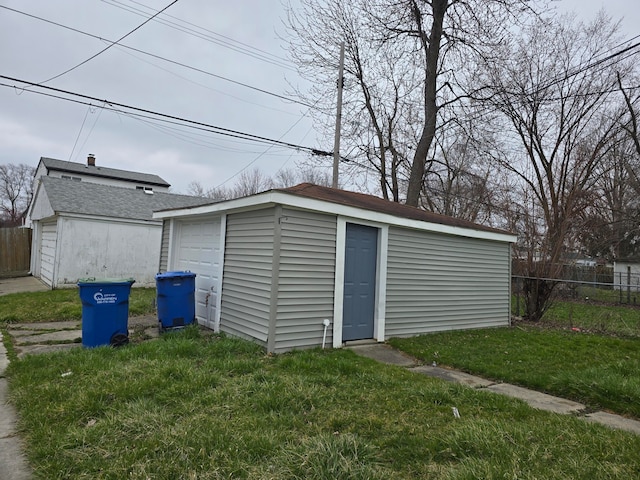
(102,298)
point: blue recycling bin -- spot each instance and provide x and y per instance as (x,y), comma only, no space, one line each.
(176,299)
(105,311)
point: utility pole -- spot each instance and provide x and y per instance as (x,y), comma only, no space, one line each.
(336,143)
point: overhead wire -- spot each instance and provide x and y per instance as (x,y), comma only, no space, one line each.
(244,100)
(79,132)
(167,118)
(160,57)
(263,153)
(111,44)
(208,35)
(90,131)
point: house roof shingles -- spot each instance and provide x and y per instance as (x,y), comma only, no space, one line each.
(104,172)
(69,196)
(380,205)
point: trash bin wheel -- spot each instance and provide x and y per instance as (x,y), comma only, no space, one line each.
(119,339)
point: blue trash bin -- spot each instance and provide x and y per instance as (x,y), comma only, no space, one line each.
(105,311)
(176,299)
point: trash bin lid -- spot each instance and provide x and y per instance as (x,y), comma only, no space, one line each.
(176,274)
(105,281)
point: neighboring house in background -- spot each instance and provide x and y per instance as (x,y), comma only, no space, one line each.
(92,173)
(626,274)
(83,229)
(273,267)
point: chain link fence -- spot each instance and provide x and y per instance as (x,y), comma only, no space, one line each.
(588,283)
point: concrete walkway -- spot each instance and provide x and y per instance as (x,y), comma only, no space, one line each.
(35,338)
(13,465)
(386,354)
(21,284)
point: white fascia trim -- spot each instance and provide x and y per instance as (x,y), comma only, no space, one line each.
(381,284)
(270,198)
(82,216)
(223,236)
(170,247)
(338,286)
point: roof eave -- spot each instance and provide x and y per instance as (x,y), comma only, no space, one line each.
(274,197)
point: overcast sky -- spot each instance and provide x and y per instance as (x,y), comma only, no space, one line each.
(33,125)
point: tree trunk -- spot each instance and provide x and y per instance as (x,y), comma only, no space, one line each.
(431,46)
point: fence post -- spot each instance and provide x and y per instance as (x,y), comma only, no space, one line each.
(628,285)
(519,289)
(619,285)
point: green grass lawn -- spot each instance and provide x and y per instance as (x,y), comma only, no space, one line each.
(621,320)
(600,371)
(190,406)
(63,304)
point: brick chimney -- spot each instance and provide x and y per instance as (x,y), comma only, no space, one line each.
(91,160)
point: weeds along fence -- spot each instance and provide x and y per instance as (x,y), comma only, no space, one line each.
(15,251)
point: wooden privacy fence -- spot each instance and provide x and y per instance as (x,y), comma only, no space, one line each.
(15,251)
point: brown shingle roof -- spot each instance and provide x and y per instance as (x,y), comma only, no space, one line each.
(380,205)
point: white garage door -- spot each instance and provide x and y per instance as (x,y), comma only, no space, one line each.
(198,250)
(48,252)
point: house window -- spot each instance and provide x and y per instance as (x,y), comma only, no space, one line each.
(68,177)
(146,189)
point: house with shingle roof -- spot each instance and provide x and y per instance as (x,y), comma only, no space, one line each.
(310,266)
(94,173)
(83,229)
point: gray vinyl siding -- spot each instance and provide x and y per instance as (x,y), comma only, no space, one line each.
(306,279)
(441,282)
(246,292)
(164,246)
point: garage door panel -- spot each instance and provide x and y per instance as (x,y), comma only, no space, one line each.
(198,250)
(48,252)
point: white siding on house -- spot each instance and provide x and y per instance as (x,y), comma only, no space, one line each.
(626,275)
(248,257)
(48,252)
(442,282)
(306,279)
(115,182)
(106,249)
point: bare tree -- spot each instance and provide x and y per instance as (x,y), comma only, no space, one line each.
(559,112)
(401,63)
(196,189)
(255,181)
(608,227)
(631,103)
(15,192)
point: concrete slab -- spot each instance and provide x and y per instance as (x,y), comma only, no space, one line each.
(614,421)
(59,336)
(538,400)
(452,376)
(144,320)
(8,417)
(4,360)
(13,465)
(62,325)
(384,354)
(152,332)
(21,284)
(38,349)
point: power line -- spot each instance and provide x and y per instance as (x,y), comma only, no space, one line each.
(167,118)
(111,45)
(208,35)
(159,57)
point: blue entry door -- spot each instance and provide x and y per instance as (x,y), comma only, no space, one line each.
(359,282)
